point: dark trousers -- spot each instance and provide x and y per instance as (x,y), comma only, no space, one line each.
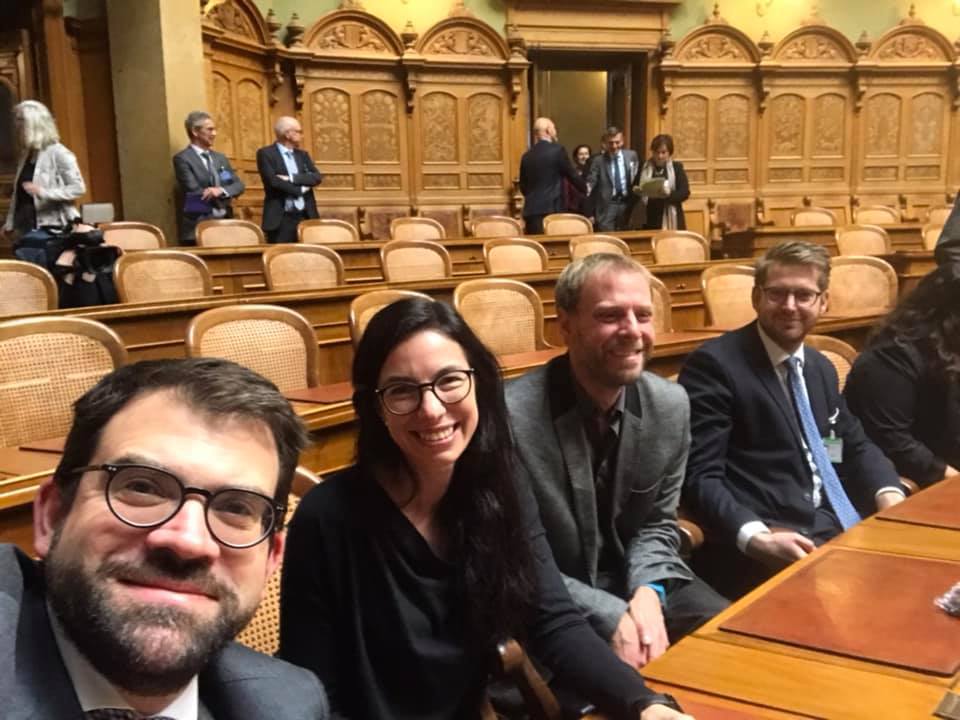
(690,603)
(612,214)
(533,224)
(286,232)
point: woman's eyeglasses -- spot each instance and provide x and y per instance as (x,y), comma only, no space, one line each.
(403,398)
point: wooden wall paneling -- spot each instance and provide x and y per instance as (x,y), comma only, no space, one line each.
(243,58)
(350,90)
(17,82)
(468,84)
(907,100)
(709,103)
(805,148)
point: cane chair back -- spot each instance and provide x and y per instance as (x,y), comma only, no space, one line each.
(158,275)
(228,233)
(365,306)
(584,245)
(662,308)
(495,226)
(727,295)
(414,260)
(26,288)
(938,214)
(566,224)
(133,235)
(506,315)
(514,256)
(876,215)
(840,354)
(416,228)
(861,285)
(326,231)
(930,234)
(804,217)
(679,246)
(294,267)
(863,240)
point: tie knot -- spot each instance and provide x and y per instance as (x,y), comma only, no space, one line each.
(120,714)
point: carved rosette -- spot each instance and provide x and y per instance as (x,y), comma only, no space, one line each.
(379,127)
(690,127)
(883,125)
(484,126)
(438,120)
(250,118)
(829,125)
(786,126)
(733,126)
(330,123)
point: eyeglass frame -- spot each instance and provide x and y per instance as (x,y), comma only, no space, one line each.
(111,469)
(431,386)
(791,291)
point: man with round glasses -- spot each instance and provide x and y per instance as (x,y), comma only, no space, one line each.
(778,465)
(156,535)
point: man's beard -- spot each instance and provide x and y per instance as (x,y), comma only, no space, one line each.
(120,639)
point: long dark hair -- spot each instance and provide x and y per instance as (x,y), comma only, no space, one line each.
(480,512)
(929,318)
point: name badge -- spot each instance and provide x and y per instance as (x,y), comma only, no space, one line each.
(225,175)
(833,444)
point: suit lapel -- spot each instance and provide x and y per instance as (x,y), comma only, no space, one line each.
(768,378)
(575,449)
(630,448)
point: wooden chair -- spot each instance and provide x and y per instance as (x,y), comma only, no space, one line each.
(26,288)
(839,353)
(863,240)
(567,224)
(726,295)
(326,231)
(228,233)
(861,285)
(416,228)
(584,245)
(930,234)
(412,260)
(133,235)
(262,633)
(679,246)
(495,226)
(46,363)
(158,275)
(876,215)
(506,315)
(938,214)
(272,340)
(662,307)
(363,307)
(295,267)
(803,217)
(513,255)
(541,704)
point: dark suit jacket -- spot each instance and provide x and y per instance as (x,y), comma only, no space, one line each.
(192,177)
(275,191)
(600,179)
(746,458)
(555,458)
(542,169)
(909,408)
(947,251)
(238,684)
(653,217)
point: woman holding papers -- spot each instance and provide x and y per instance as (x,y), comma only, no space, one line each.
(402,573)
(663,187)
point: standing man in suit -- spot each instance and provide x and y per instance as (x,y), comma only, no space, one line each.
(289,177)
(542,169)
(156,535)
(611,179)
(778,465)
(604,446)
(205,176)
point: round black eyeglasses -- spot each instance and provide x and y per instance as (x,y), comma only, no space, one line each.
(146,497)
(403,398)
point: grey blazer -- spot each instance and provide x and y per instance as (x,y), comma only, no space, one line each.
(238,684)
(58,175)
(192,177)
(555,458)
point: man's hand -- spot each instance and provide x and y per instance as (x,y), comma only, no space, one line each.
(625,643)
(888,499)
(647,614)
(778,549)
(285,178)
(662,712)
(950,471)
(214,191)
(32,188)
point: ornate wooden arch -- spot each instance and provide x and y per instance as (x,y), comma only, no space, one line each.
(716,43)
(463,37)
(912,42)
(354,33)
(239,19)
(816,45)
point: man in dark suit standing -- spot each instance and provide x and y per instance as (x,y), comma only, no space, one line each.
(156,535)
(288,176)
(778,464)
(542,169)
(205,176)
(603,444)
(611,179)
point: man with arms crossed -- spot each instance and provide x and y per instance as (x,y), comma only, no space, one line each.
(604,446)
(778,464)
(288,176)
(156,535)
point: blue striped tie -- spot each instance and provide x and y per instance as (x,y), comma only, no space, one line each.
(846,513)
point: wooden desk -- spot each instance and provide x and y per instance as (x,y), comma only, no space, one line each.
(754,242)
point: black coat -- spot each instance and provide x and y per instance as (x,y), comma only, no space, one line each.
(542,169)
(275,191)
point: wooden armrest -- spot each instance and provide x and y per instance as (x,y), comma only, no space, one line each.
(691,537)
(909,486)
(539,699)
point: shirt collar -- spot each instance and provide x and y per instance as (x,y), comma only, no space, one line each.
(777,354)
(589,411)
(284,150)
(94,691)
(199,150)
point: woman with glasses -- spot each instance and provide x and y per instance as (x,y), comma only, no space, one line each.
(905,386)
(403,573)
